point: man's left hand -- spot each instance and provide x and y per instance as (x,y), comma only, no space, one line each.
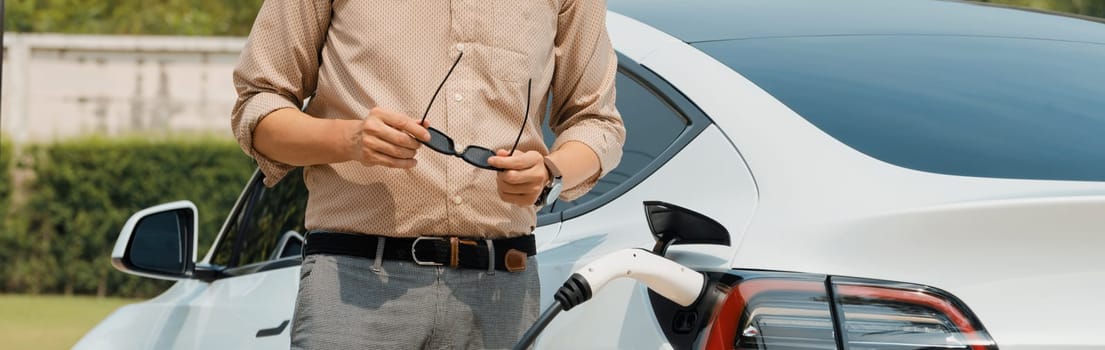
(523,178)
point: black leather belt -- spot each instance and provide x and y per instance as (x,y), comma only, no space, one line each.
(507,254)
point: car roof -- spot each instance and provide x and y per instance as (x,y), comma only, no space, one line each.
(712,20)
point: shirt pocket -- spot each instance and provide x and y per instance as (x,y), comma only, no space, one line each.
(521,35)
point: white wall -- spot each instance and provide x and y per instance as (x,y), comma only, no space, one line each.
(60,86)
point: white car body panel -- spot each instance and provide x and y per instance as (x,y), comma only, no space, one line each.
(827,208)
(634,39)
(138,326)
(231,311)
(225,314)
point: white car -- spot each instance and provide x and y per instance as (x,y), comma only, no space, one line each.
(888,174)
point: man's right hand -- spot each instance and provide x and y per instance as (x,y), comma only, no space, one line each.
(388,139)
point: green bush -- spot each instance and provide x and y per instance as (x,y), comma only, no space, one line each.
(60,239)
(5,200)
(5,177)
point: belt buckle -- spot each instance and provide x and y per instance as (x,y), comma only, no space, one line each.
(415,256)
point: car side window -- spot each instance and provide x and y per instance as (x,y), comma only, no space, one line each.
(651,126)
(268,225)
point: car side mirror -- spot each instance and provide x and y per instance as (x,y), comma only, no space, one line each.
(159,242)
(671,224)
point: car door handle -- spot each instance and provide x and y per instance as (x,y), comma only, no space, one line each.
(268,332)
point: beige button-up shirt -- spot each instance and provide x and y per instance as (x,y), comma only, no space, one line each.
(353,55)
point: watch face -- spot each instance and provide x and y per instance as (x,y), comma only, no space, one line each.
(554,192)
(551,192)
(552,189)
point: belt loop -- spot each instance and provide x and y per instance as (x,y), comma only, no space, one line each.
(490,256)
(379,254)
(303,248)
(454,252)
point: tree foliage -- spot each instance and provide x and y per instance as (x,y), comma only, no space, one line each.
(163,17)
(60,240)
(234,18)
(1095,8)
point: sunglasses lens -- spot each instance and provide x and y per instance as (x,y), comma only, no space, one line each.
(439,142)
(478,156)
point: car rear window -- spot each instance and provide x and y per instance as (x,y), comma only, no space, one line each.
(960,105)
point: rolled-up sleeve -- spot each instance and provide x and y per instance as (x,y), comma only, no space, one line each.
(278,68)
(583,107)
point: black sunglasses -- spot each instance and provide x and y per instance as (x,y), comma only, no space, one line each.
(475,155)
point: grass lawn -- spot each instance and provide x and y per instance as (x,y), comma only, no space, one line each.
(50,322)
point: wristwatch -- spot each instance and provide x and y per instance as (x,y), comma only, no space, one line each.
(553,187)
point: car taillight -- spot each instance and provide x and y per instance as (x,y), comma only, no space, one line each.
(778,311)
(773,313)
(903,316)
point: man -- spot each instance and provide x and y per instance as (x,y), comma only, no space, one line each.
(381,206)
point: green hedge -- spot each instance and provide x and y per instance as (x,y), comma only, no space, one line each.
(5,176)
(60,239)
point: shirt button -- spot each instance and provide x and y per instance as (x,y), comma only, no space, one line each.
(457,200)
(460,47)
(458,97)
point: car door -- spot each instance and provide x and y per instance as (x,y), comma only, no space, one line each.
(672,153)
(250,305)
